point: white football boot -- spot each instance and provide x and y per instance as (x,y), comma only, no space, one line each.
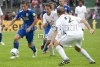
(2,43)
(14,57)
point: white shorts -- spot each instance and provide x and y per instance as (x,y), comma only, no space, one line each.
(46,35)
(82,25)
(50,34)
(68,40)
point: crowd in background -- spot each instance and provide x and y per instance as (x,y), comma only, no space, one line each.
(96,11)
(37,6)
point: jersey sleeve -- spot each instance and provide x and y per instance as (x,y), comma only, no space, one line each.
(85,9)
(44,19)
(58,24)
(1,13)
(18,15)
(78,19)
(69,9)
(43,12)
(55,16)
(76,10)
(32,13)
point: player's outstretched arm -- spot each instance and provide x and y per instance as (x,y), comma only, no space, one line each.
(88,26)
(11,23)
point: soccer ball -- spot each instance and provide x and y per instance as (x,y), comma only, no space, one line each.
(14,52)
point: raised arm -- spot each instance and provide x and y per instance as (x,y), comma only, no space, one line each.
(88,26)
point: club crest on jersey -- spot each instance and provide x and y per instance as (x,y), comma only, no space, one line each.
(26,14)
(34,14)
(65,8)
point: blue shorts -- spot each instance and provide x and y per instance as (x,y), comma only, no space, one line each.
(29,35)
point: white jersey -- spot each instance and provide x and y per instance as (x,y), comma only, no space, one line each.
(1,13)
(48,18)
(80,11)
(68,24)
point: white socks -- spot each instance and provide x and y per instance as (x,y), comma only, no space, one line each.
(84,53)
(61,52)
(52,51)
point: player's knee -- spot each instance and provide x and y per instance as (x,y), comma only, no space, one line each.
(77,49)
(15,39)
(29,45)
(56,44)
(48,42)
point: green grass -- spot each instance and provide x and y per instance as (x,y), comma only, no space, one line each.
(91,44)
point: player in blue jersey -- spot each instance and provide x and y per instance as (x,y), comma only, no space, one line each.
(66,7)
(29,20)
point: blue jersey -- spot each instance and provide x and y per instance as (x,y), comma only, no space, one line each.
(47,28)
(66,7)
(27,17)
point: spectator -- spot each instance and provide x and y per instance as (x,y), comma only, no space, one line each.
(7,16)
(93,15)
(95,8)
(98,14)
(13,15)
(37,11)
(97,3)
(89,14)
(34,4)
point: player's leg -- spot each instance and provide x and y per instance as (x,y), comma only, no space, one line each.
(30,37)
(43,44)
(19,35)
(16,39)
(46,48)
(1,36)
(49,37)
(78,48)
(62,41)
(44,41)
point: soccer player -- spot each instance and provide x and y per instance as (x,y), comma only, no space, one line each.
(47,28)
(67,10)
(80,11)
(66,7)
(74,35)
(29,20)
(1,20)
(49,17)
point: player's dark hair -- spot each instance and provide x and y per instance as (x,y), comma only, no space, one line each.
(48,5)
(24,2)
(53,4)
(61,10)
(81,1)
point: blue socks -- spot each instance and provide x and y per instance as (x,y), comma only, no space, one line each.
(33,48)
(44,42)
(16,45)
(45,48)
(0,37)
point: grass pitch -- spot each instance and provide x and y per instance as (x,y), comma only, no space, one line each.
(91,44)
